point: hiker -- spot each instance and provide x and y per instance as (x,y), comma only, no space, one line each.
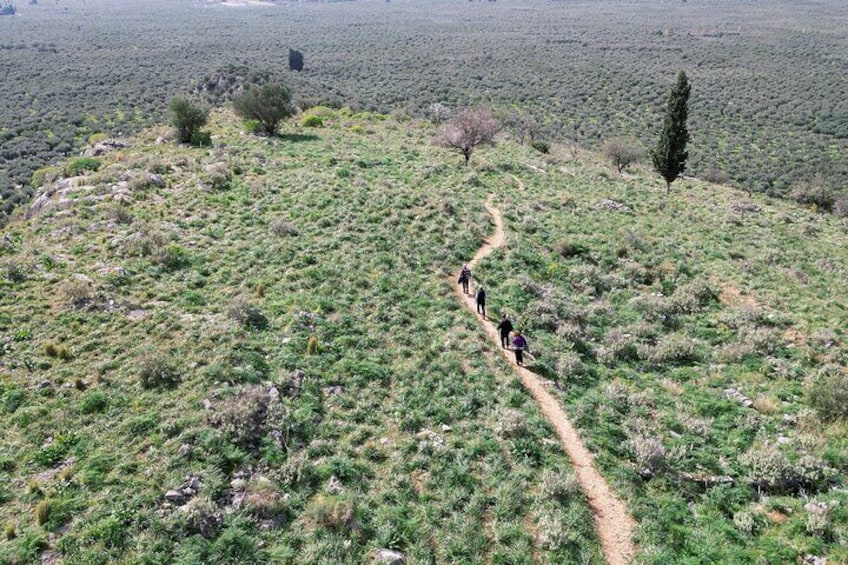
(464,278)
(519,345)
(480,298)
(504,328)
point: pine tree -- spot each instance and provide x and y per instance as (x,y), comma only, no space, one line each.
(670,154)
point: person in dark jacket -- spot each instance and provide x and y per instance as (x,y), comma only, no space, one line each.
(464,278)
(519,345)
(504,329)
(480,298)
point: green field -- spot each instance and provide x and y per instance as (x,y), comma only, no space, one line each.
(270,323)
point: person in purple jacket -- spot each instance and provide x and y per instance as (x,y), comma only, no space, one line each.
(519,345)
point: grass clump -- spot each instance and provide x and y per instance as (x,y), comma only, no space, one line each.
(95,401)
(157,369)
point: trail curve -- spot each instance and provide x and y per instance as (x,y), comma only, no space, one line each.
(613,522)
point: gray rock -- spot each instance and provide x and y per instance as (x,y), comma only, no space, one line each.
(389,556)
(105,146)
(814,560)
(175,496)
(612,206)
(334,485)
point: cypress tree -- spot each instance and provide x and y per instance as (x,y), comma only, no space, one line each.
(670,154)
(295,60)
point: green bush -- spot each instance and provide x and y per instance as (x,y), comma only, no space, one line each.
(96,401)
(541,146)
(97,138)
(187,118)
(173,257)
(80,165)
(267,105)
(44,175)
(311,121)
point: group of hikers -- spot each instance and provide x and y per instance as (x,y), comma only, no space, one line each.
(505,327)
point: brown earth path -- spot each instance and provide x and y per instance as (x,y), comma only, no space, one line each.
(613,522)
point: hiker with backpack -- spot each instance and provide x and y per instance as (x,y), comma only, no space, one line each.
(504,329)
(464,278)
(480,299)
(519,345)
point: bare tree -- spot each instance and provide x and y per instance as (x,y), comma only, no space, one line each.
(622,152)
(471,127)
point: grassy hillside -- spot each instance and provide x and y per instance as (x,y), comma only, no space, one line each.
(251,353)
(308,371)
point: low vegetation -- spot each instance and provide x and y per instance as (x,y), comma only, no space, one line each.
(271,368)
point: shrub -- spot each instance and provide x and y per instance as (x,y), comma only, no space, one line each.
(559,486)
(172,257)
(570,248)
(187,118)
(156,369)
(282,227)
(814,192)
(828,394)
(247,416)
(541,146)
(511,424)
(44,175)
(267,105)
(311,121)
(15,272)
(648,454)
(201,516)
(217,177)
(78,293)
(243,312)
(96,401)
(235,547)
(96,138)
(438,113)
(771,470)
(9,531)
(81,165)
(121,214)
(673,349)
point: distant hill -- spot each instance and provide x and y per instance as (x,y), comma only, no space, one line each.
(252,353)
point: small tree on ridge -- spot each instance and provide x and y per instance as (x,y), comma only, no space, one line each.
(267,105)
(188,118)
(622,152)
(471,127)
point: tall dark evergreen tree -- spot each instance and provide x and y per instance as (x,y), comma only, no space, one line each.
(295,60)
(670,155)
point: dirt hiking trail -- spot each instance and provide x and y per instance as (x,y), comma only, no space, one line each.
(613,523)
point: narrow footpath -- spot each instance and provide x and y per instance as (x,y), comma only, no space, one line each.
(613,522)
